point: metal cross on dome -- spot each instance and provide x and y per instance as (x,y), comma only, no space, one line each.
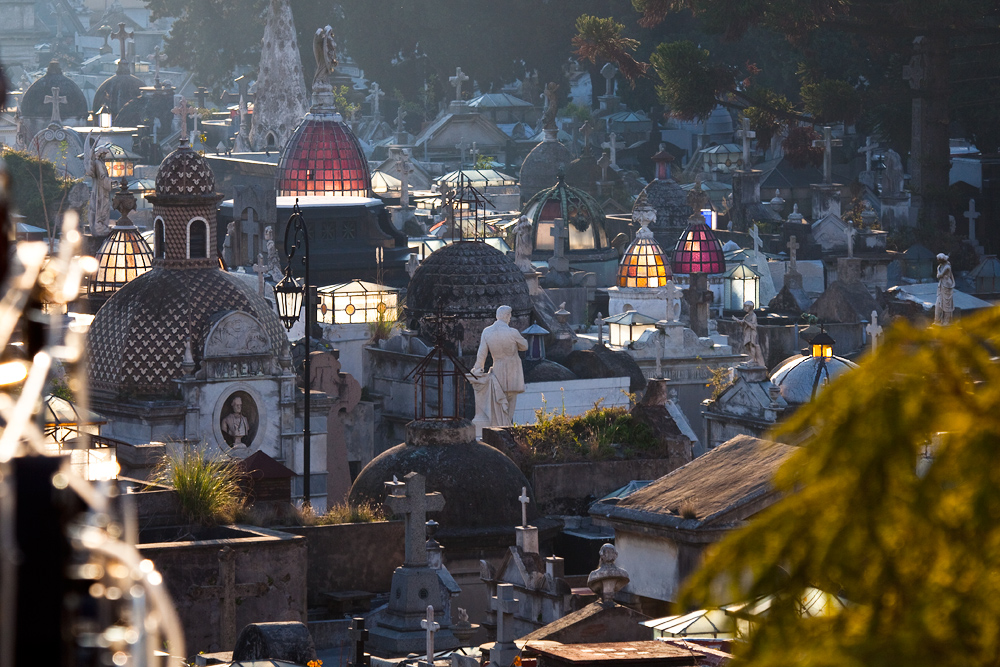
(122,35)
(182,111)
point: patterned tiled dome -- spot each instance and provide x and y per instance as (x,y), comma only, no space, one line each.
(136,342)
(185,173)
(469,280)
(323,157)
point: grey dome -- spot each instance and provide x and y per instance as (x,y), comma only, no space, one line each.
(33,104)
(800,377)
(542,166)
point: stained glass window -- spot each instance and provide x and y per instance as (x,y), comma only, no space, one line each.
(123,256)
(643,265)
(698,250)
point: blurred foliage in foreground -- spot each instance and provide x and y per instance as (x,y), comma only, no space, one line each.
(916,554)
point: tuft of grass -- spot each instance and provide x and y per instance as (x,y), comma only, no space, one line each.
(208,485)
(342,513)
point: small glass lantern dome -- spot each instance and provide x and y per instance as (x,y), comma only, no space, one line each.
(698,249)
(535,336)
(124,255)
(625,328)
(741,284)
(119,161)
(821,345)
(357,302)
(643,264)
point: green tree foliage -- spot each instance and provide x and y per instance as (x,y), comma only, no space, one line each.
(213,37)
(39,192)
(690,82)
(912,542)
(601,39)
(831,100)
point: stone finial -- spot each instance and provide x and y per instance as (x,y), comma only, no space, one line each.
(608,578)
(124,203)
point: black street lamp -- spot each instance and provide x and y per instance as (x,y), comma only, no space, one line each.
(291,296)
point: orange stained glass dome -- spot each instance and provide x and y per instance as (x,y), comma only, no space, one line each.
(323,157)
(643,265)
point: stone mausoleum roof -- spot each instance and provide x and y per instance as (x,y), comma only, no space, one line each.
(33,104)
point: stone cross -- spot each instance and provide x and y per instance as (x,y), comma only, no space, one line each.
(474,152)
(746,134)
(755,235)
(850,239)
(121,35)
(156,57)
(609,72)
(227,592)
(400,116)
(457,81)
(405,168)
(182,111)
(868,149)
(971,215)
(505,605)
(874,330)
(431,626)
(792,247)
(461,146)
(586,130)
(55,99)
(410,500)
(260,267)
(359,636)
(599,323)
(201,91)
(914,71)
(524,499)
(827,143)
(375,96)
(612,146)
(603,163)
(558,262)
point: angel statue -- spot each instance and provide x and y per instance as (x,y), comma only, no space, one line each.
(325,51)
(551,105)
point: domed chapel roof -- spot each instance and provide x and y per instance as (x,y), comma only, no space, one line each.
(33,104)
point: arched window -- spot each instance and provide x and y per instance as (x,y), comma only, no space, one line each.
(197,239)
(271,141)
(159,245)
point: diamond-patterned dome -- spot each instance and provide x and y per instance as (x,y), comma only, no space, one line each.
(185,173)
(323,157)
(136,342)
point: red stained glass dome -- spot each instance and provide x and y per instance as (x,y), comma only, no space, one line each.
(323,157)
(698,250)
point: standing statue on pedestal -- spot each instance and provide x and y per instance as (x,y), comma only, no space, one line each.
(325,53)
(751,342)
(522,245)
(551,106)
(944,306)
(99,208)
(497,390)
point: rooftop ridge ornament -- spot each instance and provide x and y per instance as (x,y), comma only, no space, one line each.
(156,57)
(182,111)
(457,81)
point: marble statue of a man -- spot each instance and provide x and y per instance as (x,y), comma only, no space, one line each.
(502,342)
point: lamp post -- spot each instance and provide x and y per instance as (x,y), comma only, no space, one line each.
(291,296)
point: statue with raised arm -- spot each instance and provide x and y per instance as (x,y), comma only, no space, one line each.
(99,208)
(496,398)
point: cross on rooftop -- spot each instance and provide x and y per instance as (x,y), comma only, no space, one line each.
(746,134)
(524,499)
(474,151)
(201,91)
(55,99)
(755,235)
(410,499)
(431,626)
(156,57)
(182,111)
(559,263)
(868,149)
(457,81)
(121,35)
(792,247)
(970,215)
(874,330)
(827,143)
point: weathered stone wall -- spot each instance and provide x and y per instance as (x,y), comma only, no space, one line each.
(269,583)
(351,557)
